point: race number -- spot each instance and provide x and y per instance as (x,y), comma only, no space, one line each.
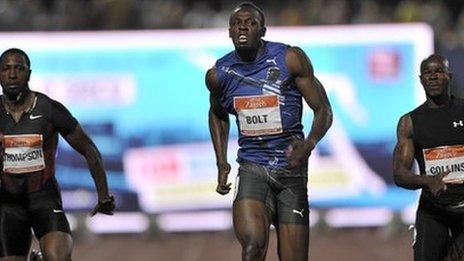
(445,158)
(258,115)
(23,153)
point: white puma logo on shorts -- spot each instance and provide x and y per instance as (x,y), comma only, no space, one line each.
(298,212)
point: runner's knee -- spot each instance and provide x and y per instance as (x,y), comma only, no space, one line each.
(56,246)
(56,254)
(254,250)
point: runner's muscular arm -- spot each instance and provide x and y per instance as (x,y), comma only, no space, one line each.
(403,157)
(218,120)
(81,142)
(313,92)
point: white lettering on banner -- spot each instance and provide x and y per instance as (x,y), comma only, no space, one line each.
(445,158)
(89,89)
(23,153)
(177,177)
(258,115)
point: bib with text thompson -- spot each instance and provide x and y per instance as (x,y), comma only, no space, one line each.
(23,153)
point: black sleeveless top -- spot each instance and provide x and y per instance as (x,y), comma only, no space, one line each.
(438,133)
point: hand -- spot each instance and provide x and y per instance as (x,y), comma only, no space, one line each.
(435,184)
(36,255)
(451,180)
(298,152)
(223,187)
(105,206)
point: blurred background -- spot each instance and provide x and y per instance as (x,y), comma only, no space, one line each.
(132,72)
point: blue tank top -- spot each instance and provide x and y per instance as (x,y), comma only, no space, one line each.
(267,105)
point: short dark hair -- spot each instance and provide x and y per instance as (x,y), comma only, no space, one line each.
(16,51)
(434,57)
(250,5)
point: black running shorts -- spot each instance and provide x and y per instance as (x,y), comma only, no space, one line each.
(284,192)
(439,232)
(42,211)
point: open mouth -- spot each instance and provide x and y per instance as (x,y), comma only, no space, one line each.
(242,39)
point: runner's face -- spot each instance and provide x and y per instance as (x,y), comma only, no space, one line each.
(435,78)
(14,75)
(245,29)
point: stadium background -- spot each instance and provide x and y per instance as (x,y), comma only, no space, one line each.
(132,73)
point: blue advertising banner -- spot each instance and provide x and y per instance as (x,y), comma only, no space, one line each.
(142,98)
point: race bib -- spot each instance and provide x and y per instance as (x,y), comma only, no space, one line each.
(23,153)
(258,115)
(445,158)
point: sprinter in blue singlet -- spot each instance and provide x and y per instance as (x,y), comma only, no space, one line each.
(263,85)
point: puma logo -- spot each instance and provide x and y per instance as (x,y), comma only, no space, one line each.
(273,60)
(298,212)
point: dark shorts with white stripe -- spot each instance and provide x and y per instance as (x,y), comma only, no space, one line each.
(42,211)
(283,191)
